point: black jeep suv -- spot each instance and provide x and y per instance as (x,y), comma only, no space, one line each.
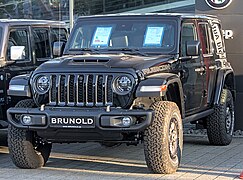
(24,45)
(127,79)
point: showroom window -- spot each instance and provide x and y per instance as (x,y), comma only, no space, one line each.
(59,9)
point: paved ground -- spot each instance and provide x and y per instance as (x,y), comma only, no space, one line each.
(92,161)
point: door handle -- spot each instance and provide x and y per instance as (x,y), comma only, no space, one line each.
(200,70)
(212,67)
(8,75)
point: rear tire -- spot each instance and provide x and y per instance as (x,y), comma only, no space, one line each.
(220,124)
(25,148)
(163,139)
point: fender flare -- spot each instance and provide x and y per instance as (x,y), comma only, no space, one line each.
(221,78)
(19,86)
(157,87)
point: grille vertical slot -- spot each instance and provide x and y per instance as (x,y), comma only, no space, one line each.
(80,90)
(62,91)
(53,90)
(99,90)
(71,91)
(109,97)
(90,90)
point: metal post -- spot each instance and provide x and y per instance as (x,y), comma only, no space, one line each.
(71,4)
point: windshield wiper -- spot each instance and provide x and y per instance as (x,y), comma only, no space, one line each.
(85,50)
(132,51)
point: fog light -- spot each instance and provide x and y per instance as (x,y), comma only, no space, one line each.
(127,121)
(27,119)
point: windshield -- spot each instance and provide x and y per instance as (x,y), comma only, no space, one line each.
(138,34)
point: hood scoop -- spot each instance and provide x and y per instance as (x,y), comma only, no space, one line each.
(90,60)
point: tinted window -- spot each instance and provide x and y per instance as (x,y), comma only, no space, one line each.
(42,43)
(188,33)
(18,37)
(58,34)
(205,37)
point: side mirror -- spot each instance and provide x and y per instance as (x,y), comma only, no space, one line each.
(58,48)
(17,53)
(192,48)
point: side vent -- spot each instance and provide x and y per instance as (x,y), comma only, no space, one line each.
(81,60)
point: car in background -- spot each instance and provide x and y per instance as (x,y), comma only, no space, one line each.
(24,45)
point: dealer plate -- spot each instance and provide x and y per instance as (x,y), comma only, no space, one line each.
(72,122)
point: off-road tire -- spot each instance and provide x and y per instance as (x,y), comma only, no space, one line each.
(24,151)
(217,123)
(157,152)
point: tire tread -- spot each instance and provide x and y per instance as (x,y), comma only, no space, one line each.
(216,128)
(21,147)
(156,152)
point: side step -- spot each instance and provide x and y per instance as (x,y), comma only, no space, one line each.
(3,124)
(197,116)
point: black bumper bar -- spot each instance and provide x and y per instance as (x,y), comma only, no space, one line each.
(99,115)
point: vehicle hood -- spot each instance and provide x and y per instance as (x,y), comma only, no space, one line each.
(103,62)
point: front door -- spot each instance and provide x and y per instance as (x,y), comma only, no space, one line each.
(192,69)
(18,36)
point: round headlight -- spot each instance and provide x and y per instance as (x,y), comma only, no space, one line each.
(122,85)
(42,84)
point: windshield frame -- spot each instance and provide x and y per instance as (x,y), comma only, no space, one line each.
(160,18)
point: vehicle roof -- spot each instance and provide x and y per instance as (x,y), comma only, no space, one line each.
(179,15)
(30,22)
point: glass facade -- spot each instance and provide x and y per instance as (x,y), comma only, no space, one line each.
(59,9)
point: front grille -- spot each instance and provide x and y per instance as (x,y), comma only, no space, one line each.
(81,90)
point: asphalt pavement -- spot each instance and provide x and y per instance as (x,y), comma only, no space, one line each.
(93,161)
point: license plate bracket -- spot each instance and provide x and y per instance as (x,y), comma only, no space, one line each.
(72,122)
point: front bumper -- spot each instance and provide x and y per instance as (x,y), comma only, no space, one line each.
(99,131)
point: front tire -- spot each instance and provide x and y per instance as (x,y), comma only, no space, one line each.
(25,148)
(163,139)
(220,124)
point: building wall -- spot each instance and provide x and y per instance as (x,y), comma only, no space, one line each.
(232,19)
(59,9)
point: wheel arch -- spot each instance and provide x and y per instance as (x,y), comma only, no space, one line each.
(19,86)
(174,93)
(168,87)
(225,80)
(229,83)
